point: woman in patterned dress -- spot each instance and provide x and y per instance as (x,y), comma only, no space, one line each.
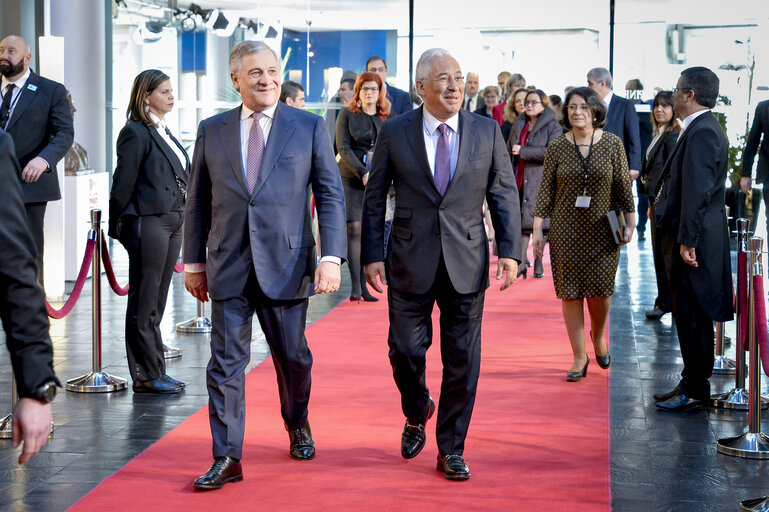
(585,175)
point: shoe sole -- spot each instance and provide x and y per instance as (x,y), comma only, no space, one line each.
(156,392)
(692,407)
(232,479)
(302,458)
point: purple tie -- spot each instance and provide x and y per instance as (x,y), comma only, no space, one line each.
(443,160)
(255,152)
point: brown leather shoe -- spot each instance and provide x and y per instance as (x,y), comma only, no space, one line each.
(413,436)
(453,467)
(224,470)
(302,445)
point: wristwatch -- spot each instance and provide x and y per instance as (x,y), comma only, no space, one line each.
(45,393)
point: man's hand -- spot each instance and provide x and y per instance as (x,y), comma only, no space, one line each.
(690,258)
(371,271)
(364,179)
(328,276)
(34,169)
(745,184)
(197,284)
(508,267)
(31,424)
(633,174)
(516,149)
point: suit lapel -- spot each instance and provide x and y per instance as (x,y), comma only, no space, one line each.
(168,152)
(416,140)
(280,133)
(229,133)
(184,152)
(25,98)
(466,132)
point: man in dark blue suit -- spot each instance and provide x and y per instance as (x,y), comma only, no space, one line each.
(37,114)
(248,243)
(400,100)
(757,144)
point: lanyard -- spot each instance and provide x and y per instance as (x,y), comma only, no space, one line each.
(585,161)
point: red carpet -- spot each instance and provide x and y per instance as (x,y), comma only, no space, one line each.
(536,442)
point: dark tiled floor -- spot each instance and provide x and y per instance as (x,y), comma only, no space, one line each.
(659,461)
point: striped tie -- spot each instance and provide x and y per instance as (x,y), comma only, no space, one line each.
(255,152)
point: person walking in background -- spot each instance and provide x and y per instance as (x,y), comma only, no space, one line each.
(585,175)
(473,98)
(634,90)
(531,133)
(356,132)
(443,162)
(292,94)
(343,95)
(514,107)
(757,144)
(691,218)
(490,100)
(512,84)
(248,242)
(666,131)
(400,101)
(146,214)
(36,113)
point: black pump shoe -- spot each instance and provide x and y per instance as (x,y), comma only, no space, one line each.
(577,376)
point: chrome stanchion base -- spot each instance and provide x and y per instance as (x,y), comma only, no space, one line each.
(755,505)
(170,352)
(724,366)
(96,382)
(735,399)
(6,427)
(197,324)
(748,445)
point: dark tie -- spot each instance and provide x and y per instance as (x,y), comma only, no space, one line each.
(255,152)
(467,105)
(443,160)
(5,109)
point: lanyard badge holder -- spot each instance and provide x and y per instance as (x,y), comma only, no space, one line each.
(583,201)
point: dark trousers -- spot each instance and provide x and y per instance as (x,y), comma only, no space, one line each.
(411,334)
(153,243)
(663,301)
(643,206)
(695,331)
(36,224)
(282,322)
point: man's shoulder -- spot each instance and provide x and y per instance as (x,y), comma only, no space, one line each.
(221,117)
(43,83)
(398,92)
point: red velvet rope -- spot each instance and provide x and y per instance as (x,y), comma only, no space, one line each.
(742,296)
(64,311)
(108,269)
(762,335)
(179,268)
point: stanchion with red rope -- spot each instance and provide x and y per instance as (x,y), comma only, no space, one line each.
(75,295)
(96,381)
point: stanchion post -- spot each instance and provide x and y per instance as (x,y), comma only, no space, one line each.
(753,444)
(722,365)
(97,381)
(199,324)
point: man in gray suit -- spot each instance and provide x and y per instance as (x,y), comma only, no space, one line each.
(248,204)
(443,162)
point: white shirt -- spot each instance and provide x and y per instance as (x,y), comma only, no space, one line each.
(431,133)
(657,136)
(161,129)
(16,90)
(473,102)
(607,99)
(691,117)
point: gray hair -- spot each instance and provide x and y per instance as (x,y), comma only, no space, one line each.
(601,75)
(247,48)
(424,67)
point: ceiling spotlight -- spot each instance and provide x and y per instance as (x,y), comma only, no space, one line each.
(148,32)
(219,24)
(188,24)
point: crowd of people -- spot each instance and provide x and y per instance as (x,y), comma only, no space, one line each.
(403,195)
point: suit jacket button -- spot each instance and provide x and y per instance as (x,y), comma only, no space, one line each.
(251,204)
(442,208)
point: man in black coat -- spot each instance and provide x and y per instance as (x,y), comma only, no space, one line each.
(443,162)
(691,216)
(400,100)
(37,114)
(22,309)
(757,143)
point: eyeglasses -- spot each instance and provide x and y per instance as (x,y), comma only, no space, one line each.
(682,89)
(532,103)
(369,89)
(444,80)
(577,108)
(379,69)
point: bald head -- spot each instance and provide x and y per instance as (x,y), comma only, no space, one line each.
(14,57)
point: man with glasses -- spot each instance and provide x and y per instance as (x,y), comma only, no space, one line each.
(443,162)
(691,218)
(400,100)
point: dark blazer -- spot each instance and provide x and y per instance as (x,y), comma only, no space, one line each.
(651,168)
(355,134)
(400,100)
(270,229)
(144,182)
(691,212)
(22,306)
(760,127)
(41,125)
(481,110)
(427,225)
(622,121)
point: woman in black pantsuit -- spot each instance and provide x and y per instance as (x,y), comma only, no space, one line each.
(146,213)
(356,130)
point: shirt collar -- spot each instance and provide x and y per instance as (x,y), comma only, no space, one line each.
(431,123)
(160,123)
(245,112)
(691,117)
(607,99)
(18,83)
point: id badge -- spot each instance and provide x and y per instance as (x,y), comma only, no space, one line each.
(583,202)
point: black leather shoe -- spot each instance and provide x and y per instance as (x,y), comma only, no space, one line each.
(656,313)
(661,397)
(453,467)
(603,361)
(223,471)
(413,436)
(302,446)
(173,382)
(158,386)
(539,272)
(681,403)
(577,376)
